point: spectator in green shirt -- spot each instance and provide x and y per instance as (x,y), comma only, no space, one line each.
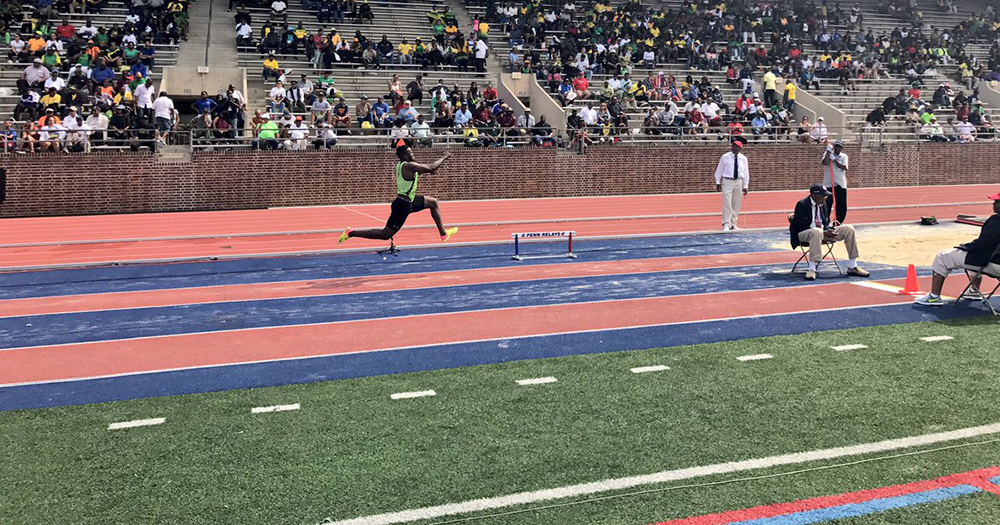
(267,134)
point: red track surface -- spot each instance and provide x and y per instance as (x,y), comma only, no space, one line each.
(381,283)
(60,362)
(761,210)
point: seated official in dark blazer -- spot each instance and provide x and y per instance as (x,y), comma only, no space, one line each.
(810,225)
(977,253)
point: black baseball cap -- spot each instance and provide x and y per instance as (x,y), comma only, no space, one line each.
(818,189)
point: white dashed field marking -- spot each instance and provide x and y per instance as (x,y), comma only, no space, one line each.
(536,381)
(275,408)
(936,338)
(646,369)
(845,348)
(605,485)
(756,357)
(411,395)
(137,423)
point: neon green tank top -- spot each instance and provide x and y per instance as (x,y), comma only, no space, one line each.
(406,188)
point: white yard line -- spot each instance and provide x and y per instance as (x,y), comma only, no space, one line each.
(647,369)
(523,498)
(755,357)
(936,338)
(845,348)
(275,408)
(536,381)
(137,423)
(411,395)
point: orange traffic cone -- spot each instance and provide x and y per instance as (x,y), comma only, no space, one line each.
(911,287)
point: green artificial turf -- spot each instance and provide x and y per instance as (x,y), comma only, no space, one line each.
(351,451)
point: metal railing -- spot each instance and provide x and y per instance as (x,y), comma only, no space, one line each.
(220,140)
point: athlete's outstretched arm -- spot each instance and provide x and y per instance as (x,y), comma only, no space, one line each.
(429,168)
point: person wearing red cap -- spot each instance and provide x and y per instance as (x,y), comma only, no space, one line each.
(732,178)
(976,254)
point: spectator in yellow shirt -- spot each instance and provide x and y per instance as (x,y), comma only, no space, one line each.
(405,52)
(790,92)
(51,99)
(271,68)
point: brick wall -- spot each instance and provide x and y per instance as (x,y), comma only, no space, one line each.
(125,182)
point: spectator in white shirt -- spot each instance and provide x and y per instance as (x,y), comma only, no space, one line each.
(278,89)
(298,135)
(87,31)
(819,132)
(966,131)
(526,121)
(144,97)
(481,52)
(55,82)
(278,8)
(96,124)
(589,114)
(421,131)
(166,115)
(326,136)
(244,34)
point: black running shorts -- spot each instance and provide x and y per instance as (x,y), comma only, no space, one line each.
(401,209)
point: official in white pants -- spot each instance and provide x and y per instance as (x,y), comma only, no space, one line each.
(732,178)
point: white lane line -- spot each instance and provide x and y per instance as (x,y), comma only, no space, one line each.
(646,369)
(137,423)
(936,338)
(875,285)
(275,408)
(845,348)
(523,498)
(536,381)
(755,357)
(411,395)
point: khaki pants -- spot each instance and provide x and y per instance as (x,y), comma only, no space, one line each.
(952,259)
(732,201)
(814,238)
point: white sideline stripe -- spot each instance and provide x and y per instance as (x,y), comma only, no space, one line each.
(936,338)
(411,395)
(606,485)
(654,368)
(756,357)
(137,423)
(275,408)
(536,381)
(845,348)
(875,285)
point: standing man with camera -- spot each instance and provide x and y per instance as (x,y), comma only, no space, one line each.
(835,166)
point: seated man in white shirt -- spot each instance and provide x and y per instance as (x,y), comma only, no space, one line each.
(421,131)
(966,131)
(298,135)
(810,225)
(278,8)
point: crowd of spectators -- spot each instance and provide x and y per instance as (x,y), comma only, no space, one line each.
(88,84)
(328,48)
(315,113)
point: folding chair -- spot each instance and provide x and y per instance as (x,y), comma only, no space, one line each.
(828,253)
(827,244)
(974,273)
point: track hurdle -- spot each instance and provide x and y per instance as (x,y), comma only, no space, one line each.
(542,235)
